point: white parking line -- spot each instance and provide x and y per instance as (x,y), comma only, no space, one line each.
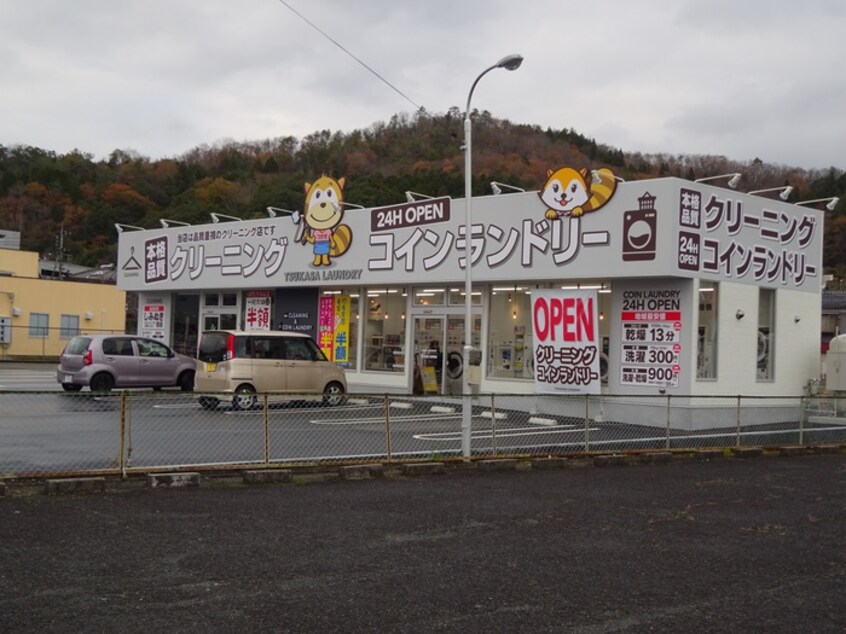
(515,432)
(381,419)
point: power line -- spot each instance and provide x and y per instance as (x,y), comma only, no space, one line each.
(340,46)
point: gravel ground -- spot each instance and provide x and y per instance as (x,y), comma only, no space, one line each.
(690,546)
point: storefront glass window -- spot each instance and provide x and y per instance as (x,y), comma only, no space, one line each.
(706,360)
(510,333)
(383,310)
(429,296)
(456,296)
(766,334)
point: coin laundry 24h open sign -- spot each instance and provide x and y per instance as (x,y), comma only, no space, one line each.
(566,341)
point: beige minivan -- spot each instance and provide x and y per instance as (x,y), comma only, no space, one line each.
(245,364)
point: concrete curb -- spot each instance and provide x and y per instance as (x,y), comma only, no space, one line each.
(361,471)
(793,451)
(543,464)
(655,457)
(173,480)
(268,476)
(498,464)
(316,473)
(423,468)
(616,460)
(747,452)
(709,454)
(75,485)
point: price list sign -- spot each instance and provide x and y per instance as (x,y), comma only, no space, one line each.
(650,348)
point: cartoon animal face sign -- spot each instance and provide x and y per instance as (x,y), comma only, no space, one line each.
(320,222)
(323,208)
(569,192)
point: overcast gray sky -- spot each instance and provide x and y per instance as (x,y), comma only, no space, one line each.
(740,78)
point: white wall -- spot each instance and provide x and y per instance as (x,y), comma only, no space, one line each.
(797,343)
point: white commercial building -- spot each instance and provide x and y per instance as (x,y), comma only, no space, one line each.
(701,290)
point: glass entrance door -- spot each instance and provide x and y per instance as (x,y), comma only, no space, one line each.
(429,338)
(454,361)
(439,344)
(220,321)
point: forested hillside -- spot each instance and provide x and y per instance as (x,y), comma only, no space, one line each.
(43,193)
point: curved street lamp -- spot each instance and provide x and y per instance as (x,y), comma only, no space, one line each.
(509,62)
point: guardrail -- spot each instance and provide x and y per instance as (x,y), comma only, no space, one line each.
(54,433)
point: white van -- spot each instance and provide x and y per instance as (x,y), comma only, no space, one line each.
(245,364)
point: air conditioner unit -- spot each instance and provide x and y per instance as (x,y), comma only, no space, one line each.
(89,316)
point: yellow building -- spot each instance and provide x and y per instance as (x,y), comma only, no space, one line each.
(39,316)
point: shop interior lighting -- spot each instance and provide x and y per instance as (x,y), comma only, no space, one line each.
(784,189)
(832,202)
(734,179)
(496,187)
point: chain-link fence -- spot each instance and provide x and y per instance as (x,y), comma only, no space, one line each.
(54,433)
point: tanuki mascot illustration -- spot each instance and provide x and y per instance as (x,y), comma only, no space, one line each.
(569,192)
(320,223)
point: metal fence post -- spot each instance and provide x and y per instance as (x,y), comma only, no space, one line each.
(493,423)
(587,423)
(669,396)
(388,448)
(266,417)
(738,420)
(122,457)
(804,404)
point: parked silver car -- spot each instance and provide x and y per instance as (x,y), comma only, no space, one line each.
(107,361)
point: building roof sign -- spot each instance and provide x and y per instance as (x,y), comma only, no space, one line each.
(665,227)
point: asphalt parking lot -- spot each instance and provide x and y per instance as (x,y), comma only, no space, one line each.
(708,546)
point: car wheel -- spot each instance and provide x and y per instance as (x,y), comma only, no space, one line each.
(209,402)
(186,381)
(102,382)
(333,395)
(69,387)
(245,398)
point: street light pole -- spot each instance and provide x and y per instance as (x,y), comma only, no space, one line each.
(510,62)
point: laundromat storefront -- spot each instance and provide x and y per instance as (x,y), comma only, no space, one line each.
(732,280)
